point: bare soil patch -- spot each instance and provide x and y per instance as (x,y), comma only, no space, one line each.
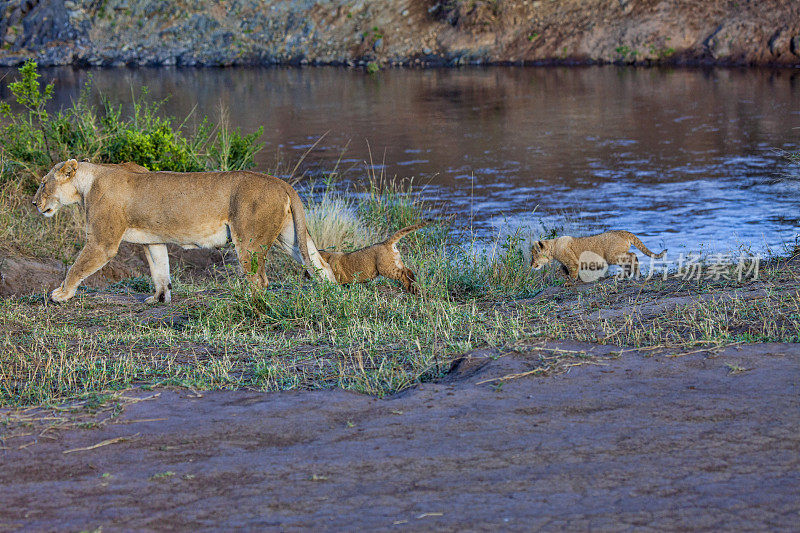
(704,441)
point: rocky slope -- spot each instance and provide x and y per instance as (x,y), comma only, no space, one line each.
(427,32)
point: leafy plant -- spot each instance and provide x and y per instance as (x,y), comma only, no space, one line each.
(25,134)
(32,139)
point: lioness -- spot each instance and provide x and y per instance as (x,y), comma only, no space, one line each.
(192,209)
(382,259)
(611,246)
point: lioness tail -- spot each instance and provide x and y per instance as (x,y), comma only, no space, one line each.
(300,228)
(644,249)
(399,234)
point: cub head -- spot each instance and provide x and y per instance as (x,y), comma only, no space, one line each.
(57,188)
(541,253)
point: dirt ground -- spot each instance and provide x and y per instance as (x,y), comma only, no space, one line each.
(625,441)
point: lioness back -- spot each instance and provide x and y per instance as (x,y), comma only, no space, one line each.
(125,202)
(175,202)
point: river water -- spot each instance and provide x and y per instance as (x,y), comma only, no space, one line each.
(688,159)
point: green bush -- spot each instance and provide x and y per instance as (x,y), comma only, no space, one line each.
(157,147)
(233,150)
(31,139)
(25,136)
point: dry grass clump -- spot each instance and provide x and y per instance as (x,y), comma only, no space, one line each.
(23,230)
(334,223)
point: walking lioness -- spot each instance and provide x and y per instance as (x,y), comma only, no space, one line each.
(191,209)
(381,259)
(612,247)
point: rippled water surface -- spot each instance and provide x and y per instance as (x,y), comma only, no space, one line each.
(682,157)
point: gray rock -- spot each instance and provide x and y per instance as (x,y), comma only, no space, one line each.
(194,32)
(794,45)
(716,45)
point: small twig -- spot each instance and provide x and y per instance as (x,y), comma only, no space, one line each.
(716,348)
(102,443)
(514,376)
(566,368)
(137,400)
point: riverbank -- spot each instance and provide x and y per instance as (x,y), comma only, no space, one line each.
(663,403)
(607,437)
(400,32)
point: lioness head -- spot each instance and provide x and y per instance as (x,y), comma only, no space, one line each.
(57,188)
(541,254)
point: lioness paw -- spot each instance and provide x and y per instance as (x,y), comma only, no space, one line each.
(59,295)
(164,297)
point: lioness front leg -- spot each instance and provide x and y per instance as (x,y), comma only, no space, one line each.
(158,260)
(90,260)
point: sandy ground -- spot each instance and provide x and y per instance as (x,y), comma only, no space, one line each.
(625,442)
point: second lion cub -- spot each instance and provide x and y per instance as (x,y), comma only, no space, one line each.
(381,259)
(612,246)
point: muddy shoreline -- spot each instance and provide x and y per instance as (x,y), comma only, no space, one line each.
(627,440)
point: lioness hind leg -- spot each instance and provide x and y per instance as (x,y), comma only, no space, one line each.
(252,258)
(158,260)
(91,259)
(287,240)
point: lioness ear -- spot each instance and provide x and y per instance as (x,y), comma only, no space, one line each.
(69,169)
(540,245)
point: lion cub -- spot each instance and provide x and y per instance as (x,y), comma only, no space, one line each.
(612,246)
(381,259)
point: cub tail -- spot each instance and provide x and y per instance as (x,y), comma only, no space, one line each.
(399,234)
(644,249)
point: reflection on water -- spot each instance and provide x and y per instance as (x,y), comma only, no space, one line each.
(678,156)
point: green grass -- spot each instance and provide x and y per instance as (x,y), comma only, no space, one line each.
(298,334)
(676,314)
(366,338)
(370,338)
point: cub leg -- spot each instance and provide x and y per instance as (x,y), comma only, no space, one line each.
(91,259)
(396,270)
(158,259)
(570,268)
(409,281)
(630,264)
(404,275)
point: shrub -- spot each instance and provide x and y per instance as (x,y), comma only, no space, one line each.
(25,135)
(32,139)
